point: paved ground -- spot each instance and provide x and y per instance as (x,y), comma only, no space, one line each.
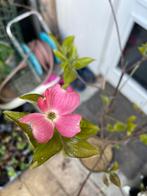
(60,176)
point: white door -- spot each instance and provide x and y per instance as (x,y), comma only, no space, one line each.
(132,21)
(90,21)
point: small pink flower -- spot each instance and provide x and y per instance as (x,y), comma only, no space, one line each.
(56,107)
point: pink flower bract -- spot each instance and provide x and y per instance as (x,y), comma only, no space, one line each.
(56,107)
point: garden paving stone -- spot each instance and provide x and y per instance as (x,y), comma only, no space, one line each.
(17,188)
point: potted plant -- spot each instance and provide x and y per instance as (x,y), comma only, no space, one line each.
(71,133)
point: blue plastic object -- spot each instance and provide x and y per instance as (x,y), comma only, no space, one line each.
(47,39)
(32,58)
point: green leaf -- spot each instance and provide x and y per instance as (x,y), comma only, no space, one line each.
(45,151)
(131,128)
(73,54)
(131,119)
(11,172)
(109,128)
(114,178)
(64,64)
(143,49)
(119,127)
(105,180)
(83,62)
(31,97)
(69,76)
(15,116)
(67,44)
(88,129)
(115,166)
(131,125)
(10,115)
(79,148)
(143,138)
(59,55)
(105,99)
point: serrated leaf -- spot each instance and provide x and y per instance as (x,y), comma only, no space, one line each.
(31,97)
(105,99)
(105,180)
(114,178)
(45,151)
(79,148)
(69,76)
(143,138)
(15,116)
(59,55)
(83,62)
(88,129)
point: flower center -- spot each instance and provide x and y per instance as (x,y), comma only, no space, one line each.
(52,116)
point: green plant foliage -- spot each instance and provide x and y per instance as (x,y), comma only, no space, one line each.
(67,45)
(143,49)
(79,148)
(117,127)
(105,99)
(59,55)
(88,129)
(11,171)
(143,138)
(5,52)
(70,61)
(2,150)
(114,178)
(128,127)
(45,151)
(20,145)
(131,125)
(114,167)
(74,147)
(15,116)
(69,75)
(83,62)
(31,97)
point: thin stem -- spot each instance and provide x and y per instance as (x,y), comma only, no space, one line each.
(91,171)
(86,83)
(117,31)
(121,56)
(135,68)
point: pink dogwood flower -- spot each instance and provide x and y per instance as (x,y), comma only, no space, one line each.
(56,106)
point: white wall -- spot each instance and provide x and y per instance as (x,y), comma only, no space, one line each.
(91,22)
